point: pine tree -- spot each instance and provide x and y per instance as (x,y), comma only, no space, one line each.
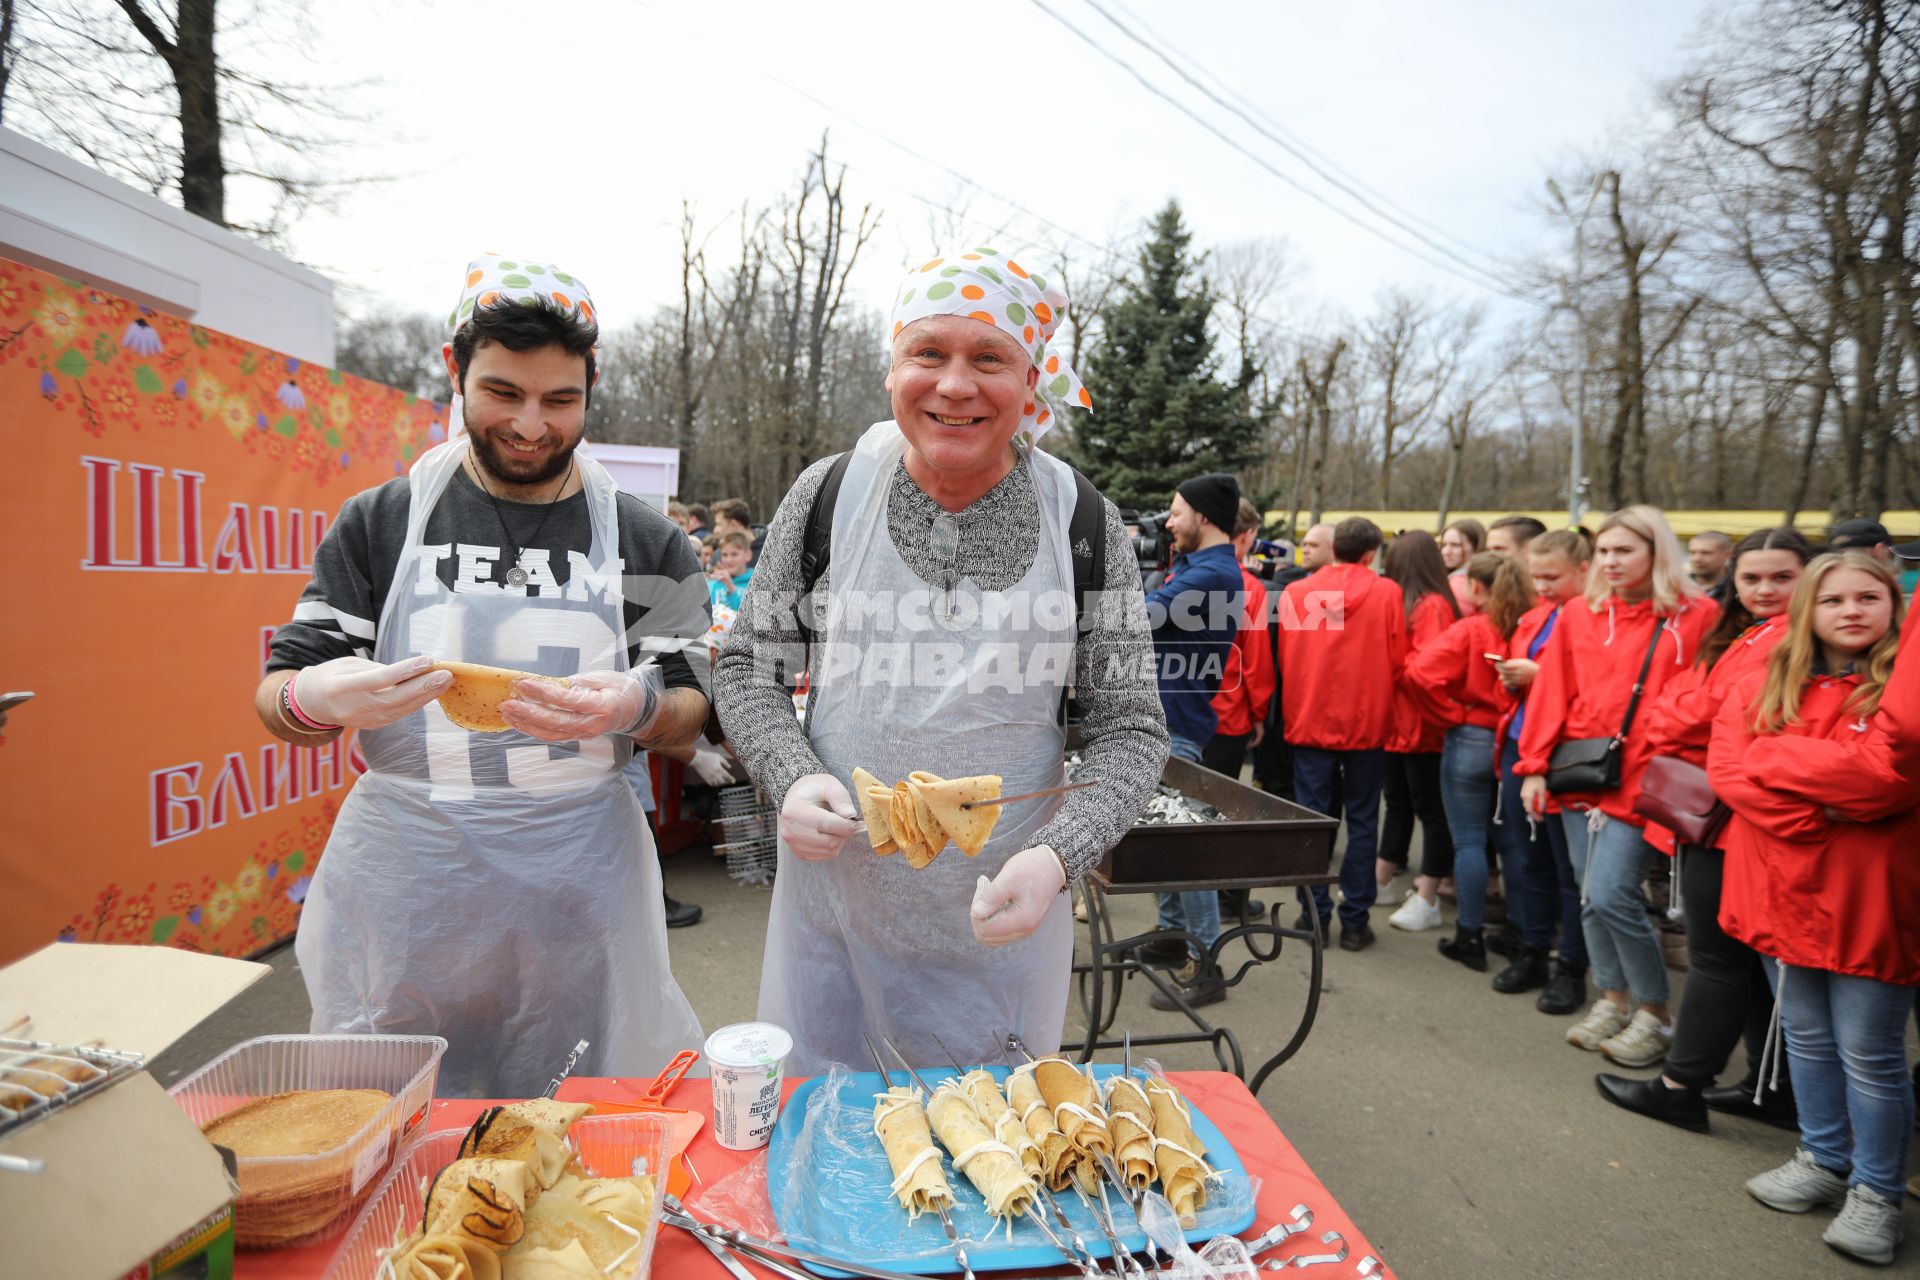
(1161,411)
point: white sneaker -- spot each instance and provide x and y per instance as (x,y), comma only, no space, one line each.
(1644,1042)
(1868,1227)
(1605,1020)
(1798,1185)
(1416,914)
(1392,893)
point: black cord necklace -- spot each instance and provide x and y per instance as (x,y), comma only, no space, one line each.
(517,576)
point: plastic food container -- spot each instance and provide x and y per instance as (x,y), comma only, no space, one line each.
(608,1146)
(297,1200)
(746,1062)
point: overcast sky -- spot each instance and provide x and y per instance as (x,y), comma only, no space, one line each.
(570,131)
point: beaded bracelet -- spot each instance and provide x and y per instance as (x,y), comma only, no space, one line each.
(293,708)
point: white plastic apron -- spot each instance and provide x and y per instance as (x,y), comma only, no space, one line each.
(495,889)
(862,943)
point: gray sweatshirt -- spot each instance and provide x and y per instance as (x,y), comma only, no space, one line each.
(1124,728)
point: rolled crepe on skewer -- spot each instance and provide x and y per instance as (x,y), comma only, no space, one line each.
(533,1132)
(1075,1102)
(445,1257)
(900,1122)
(1177,1153)
(876,802)
(484,1200)
(989,1163)
(991,1106)
(1130,1123)
(1057,1155)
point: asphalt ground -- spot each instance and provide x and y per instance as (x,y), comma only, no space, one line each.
(1453,1123)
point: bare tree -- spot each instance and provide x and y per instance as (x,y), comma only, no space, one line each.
(1411,349)
(394,348)
(1316,389)
(168,98)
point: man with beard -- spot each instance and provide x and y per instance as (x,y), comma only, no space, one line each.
(500,889)
(1195,614)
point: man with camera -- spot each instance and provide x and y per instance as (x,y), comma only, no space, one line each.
(1195,614)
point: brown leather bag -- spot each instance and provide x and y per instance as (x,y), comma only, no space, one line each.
(1677,794)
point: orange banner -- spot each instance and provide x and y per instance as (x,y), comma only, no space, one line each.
(172,484)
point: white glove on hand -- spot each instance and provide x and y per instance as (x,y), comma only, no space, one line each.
(817,817)
(359,693)
(711,763)
(597,702)
(1011,906)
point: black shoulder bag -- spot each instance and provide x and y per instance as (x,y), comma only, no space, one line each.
(1593,764)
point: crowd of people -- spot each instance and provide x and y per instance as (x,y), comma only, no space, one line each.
(1640,740)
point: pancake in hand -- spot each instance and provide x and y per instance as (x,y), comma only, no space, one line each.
(876,802)
(945,798)
(473,700)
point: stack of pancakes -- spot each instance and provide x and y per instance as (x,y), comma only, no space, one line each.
(285,1199)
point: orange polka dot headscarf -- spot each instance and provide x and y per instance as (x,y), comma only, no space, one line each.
(495,281)
(988,286)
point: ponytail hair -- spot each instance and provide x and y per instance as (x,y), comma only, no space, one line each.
(1509,589)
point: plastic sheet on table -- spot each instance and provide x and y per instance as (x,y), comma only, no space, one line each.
(839,1193)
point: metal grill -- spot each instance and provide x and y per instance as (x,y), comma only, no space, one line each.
(748,827)
(36,1078)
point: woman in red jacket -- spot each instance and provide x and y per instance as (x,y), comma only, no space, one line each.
(1833,901)
(1642,613)
(1456,674)
(1727,993)
(1412,787)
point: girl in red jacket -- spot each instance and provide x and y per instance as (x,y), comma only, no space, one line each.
(1833,901)
(1456,673)
(1727,993)
(1642,613)
(1412,787)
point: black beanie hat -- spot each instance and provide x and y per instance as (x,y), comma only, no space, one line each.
(1216,496)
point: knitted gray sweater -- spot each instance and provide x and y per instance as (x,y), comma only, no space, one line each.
(1124,729)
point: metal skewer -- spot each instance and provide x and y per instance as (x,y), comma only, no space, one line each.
(1123,1258)
(1040,1185)
(1033,1215)
(1028,795)
(946,1218)
(566,1069)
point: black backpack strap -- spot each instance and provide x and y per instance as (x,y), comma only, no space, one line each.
(1087,542)
(816,546)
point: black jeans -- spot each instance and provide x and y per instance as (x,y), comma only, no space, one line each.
(1225,753)
(1413,793)
(1727,997)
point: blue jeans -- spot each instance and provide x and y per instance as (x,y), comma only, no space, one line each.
(1847,1042)
(1609,864)
(1198,913)
(1361,775)
(1467,788)
(1533,855)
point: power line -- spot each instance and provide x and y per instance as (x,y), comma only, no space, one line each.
(1160,46)
(1477,278)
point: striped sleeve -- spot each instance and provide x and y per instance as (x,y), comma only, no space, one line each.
(336,612)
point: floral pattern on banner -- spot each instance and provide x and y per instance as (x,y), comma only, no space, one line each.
(256,905)
(104,360)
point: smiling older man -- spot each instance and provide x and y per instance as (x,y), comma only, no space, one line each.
(947,559)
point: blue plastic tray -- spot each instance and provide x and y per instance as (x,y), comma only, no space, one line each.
(840,1205)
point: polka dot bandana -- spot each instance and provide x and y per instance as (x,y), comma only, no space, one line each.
(988,286)
(493,280)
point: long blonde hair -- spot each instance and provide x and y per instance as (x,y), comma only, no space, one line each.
(1671,586)
(1791,664)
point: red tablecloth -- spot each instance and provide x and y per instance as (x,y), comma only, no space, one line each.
(1284,1180)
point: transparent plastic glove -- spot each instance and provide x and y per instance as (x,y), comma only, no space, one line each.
(711,763)
(817,817)
(1011,905)
(596,702)
(359,693)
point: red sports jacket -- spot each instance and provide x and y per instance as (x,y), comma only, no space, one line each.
(1839,896)
(1246,690)
(1587,672)
(1420,723)
(1343,645)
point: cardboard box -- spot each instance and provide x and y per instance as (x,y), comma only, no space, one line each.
(129,1187)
